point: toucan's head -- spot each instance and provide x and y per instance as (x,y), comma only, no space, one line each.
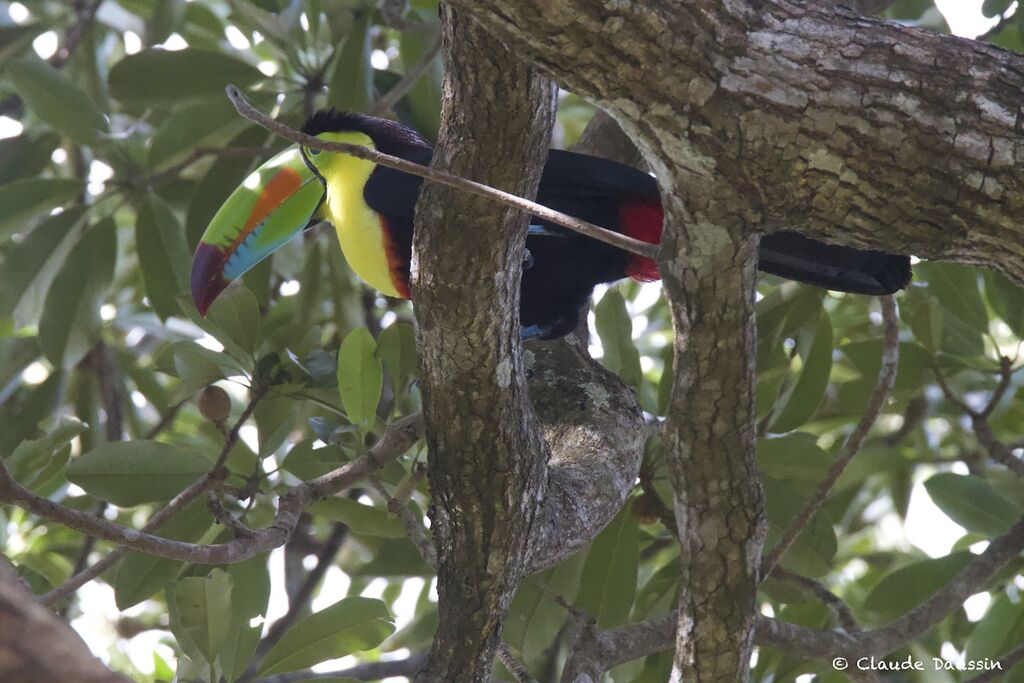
(284,196)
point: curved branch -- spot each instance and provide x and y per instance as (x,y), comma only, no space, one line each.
(398,438)
(845,128)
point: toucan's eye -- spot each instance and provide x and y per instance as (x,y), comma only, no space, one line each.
(314,152)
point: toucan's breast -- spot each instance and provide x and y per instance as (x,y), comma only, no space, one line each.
(363,234)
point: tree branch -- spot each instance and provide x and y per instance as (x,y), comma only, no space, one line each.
(486,457)
(816,111)
(617,646)
(398,438)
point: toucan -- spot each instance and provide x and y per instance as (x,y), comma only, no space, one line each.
(372,209)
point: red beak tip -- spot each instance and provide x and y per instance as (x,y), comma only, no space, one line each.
(207,276)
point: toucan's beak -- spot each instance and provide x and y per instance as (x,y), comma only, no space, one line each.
(275,202)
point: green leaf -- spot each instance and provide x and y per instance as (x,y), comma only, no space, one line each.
(141,575)
(1006,299)
(424,99)
(812,552)
(971,502)
(16,39)
(305,462)
(801,401)
(615,328)
(249,597)
(396,347)
(795,457)
(192,125)
(163,255)
(56,99)
(26,155)
(35,461)
(1000,629)
(360,376)
(274,419)
(349,625)
(30,266)
(351,85)
(204,610)
(608,582)
(71,321)
(365,520)
(994,8)
(23,200)
(955,287)
(167,16)
(234,354)
(237,314)
(909,586)
(533,616)
(127,473)
(155,76)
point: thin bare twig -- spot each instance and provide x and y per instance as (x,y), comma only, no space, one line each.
(514,666)
(842,611)
(886,379)
(996,449)
(634,246)
(413,528)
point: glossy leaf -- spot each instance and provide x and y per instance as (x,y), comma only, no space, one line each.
(349,625)
(21,201)
(71,322)
(204,610)
(250,594)
(360,376)
(141,575)
(396,347)
(58,100)
(34,462)
(127,473)
(163,77)
(351,86)
(163,254)
(911,585)
(956,289)
(971,502)
(799,404)
(365,520)
(608,582)
(305,462)
(615,328)
(30,266)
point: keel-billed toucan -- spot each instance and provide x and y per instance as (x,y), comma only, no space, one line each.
(372,209)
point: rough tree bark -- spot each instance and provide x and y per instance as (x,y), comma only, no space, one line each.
(758,117)
(487,458)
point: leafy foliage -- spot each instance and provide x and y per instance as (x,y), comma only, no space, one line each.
(125,151)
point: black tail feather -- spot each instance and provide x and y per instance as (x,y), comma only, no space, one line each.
(844,269)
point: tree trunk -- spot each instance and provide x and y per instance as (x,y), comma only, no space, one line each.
(487,459)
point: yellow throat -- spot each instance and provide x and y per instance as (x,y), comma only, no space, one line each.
(359,228)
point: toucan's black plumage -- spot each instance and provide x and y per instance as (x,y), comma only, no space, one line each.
(372,209)
(564,266)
